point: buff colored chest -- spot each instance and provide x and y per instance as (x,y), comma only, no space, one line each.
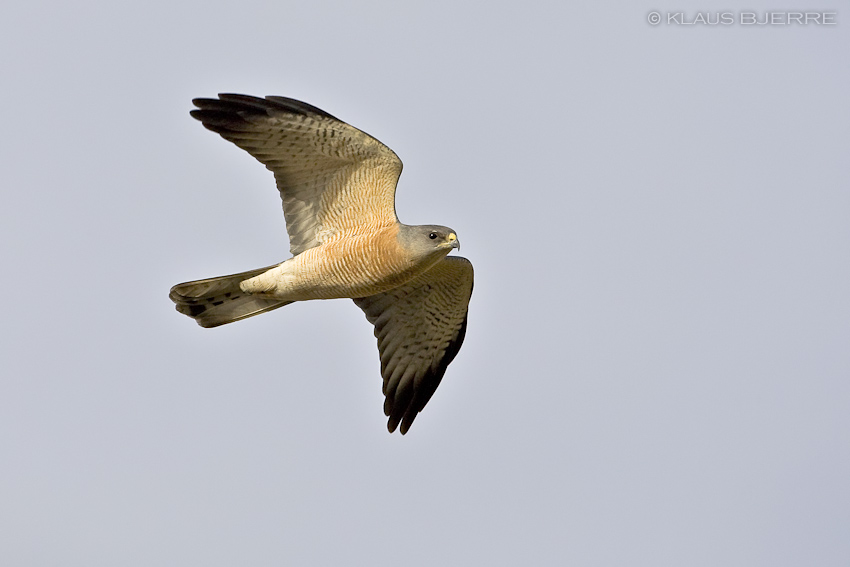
(354,266)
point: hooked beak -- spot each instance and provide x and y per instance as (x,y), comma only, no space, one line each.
(455,243)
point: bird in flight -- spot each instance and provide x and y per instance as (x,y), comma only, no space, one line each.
(338,187)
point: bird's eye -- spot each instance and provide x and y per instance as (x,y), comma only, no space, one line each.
(432,236)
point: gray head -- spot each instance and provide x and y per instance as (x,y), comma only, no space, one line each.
(428,239)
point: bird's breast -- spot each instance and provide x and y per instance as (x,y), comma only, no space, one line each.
(351,266)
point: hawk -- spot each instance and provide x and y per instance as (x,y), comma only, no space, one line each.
(338,185)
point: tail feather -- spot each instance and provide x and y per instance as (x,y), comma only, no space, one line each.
(218,301)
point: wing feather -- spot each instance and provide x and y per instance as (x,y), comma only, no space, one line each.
(420,327)
(333,178)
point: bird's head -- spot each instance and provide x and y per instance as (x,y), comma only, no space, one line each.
(428,240)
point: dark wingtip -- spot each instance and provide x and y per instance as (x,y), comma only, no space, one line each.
(233,103)
(297,106)
(392,423)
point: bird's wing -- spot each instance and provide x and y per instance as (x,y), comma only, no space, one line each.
(333,178)
(420,327)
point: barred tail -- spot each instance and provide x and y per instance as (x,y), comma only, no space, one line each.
(218,301)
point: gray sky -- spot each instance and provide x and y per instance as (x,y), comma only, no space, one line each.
(656,368)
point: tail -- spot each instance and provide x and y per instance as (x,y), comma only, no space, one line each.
(218,301)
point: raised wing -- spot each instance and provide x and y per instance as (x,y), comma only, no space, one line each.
(420,327)
(332,177)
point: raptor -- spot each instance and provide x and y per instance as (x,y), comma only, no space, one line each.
(337,185)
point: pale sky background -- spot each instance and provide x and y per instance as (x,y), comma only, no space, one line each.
(656,370)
